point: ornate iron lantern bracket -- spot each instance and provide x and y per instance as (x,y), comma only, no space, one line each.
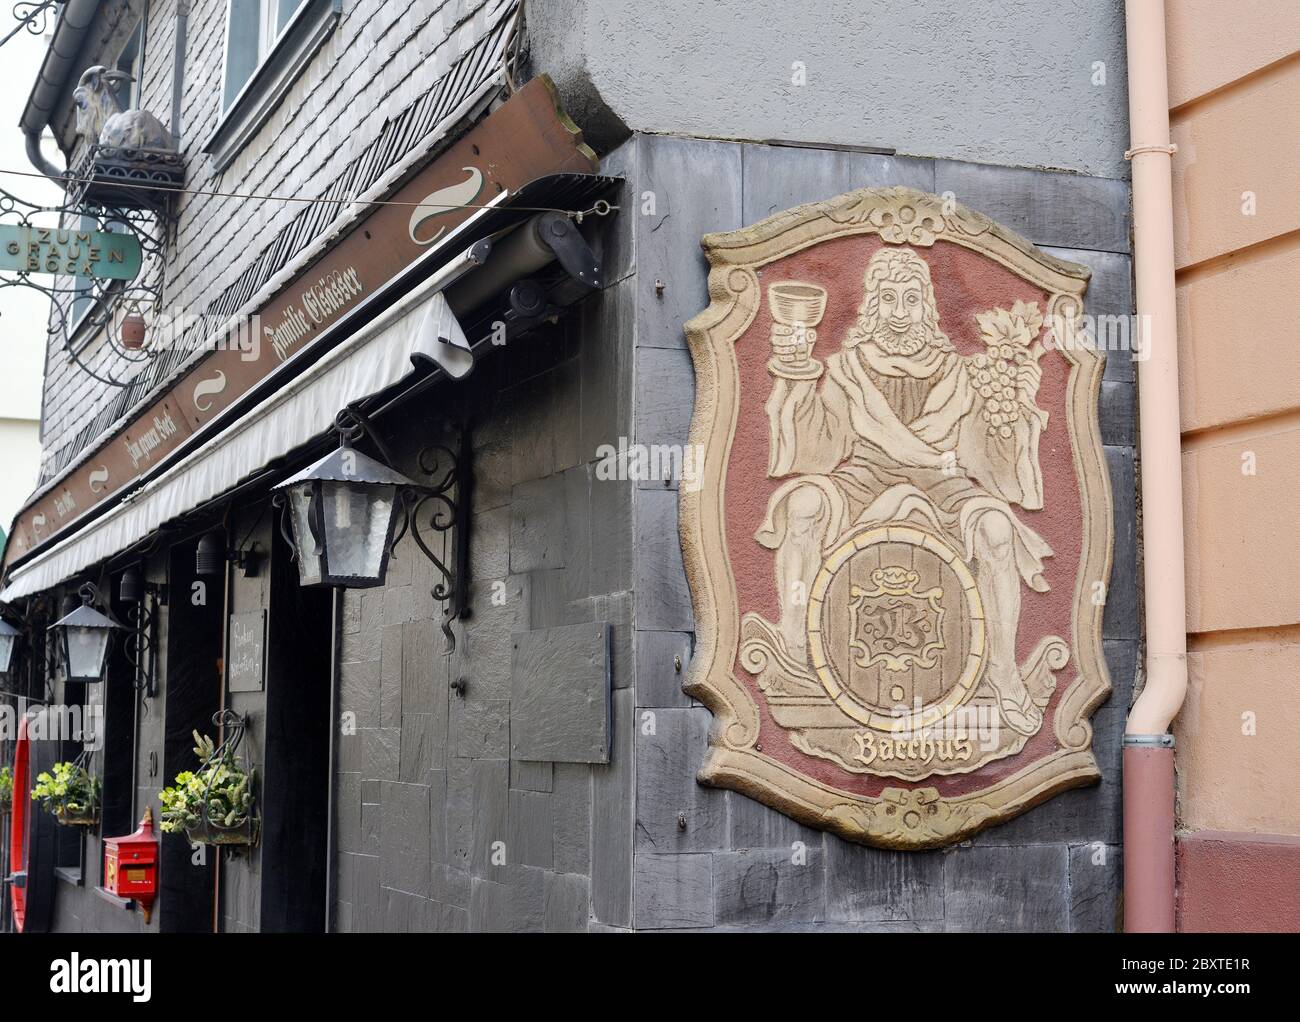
(442,506)
(141,646)
(447,501)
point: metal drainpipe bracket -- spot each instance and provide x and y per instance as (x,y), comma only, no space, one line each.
(1150,741)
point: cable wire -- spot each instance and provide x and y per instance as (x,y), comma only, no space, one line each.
(600,208)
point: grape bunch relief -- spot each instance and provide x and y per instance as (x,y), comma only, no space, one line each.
(997,372)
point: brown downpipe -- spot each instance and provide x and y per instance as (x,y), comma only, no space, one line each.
(1148,747)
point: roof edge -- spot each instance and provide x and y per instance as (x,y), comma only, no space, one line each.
(70,32)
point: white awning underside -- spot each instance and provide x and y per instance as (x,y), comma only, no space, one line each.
(376,357)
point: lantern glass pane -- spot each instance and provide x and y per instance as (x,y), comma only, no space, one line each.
(357,521)
(300,521)
(6,653)
(86,649)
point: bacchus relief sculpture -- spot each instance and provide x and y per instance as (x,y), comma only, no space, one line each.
(904,521)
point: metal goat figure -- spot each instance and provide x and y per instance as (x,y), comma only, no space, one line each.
(101,119)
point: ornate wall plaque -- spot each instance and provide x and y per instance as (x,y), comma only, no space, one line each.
(903,521)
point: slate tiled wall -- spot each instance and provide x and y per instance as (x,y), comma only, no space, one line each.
(428,786)
(380,57)
(241,874)
(77,906)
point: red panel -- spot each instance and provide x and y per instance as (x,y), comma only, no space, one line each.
(22,802)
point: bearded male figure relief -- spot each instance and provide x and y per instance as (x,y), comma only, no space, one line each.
(898,427)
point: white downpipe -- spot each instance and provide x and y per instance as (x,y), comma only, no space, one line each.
(1161,447)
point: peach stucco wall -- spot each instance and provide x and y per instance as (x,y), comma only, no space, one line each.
(1234,77)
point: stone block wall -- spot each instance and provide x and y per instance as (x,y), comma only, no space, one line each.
(442,825)
(708,858)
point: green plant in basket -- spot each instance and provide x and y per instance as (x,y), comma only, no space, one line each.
(70,792)
(213,804)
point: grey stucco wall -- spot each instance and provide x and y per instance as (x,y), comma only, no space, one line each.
(736,863)
(1016,83)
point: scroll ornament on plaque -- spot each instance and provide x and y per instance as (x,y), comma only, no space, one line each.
(902,519)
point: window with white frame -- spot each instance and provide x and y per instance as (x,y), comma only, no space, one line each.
(268,45)
(253,27)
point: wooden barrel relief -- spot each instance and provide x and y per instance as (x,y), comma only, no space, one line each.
(898,625)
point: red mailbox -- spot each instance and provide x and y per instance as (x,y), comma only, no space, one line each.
(131,865)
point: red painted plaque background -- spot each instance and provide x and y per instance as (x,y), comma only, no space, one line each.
(965,283)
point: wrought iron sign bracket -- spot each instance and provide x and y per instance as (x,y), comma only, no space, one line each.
(31,15)
(47,248)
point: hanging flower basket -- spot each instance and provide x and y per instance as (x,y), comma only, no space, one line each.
(212,833)
(71,816)
(215,805)
(70,793)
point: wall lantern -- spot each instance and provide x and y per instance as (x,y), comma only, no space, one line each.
(8,644)
(343,511)
(210,555)
(83,638)
(131,586)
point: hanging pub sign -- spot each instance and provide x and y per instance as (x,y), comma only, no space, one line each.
(527,137)
(101,254)
(903,520)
